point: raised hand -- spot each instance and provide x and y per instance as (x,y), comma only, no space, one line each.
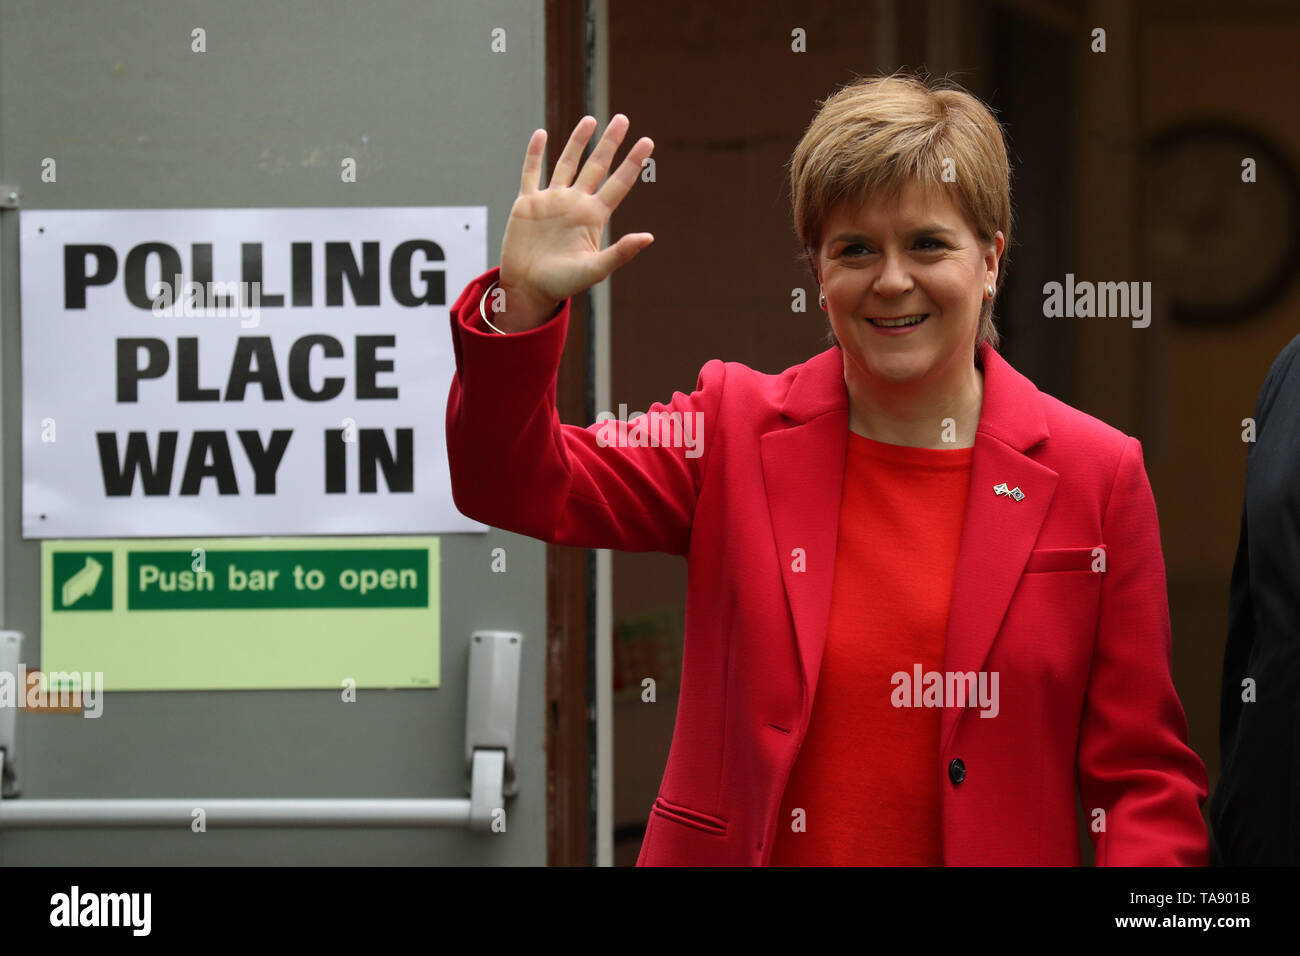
(551,249)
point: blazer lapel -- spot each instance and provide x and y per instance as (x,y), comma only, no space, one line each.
(803,475)
(999,530)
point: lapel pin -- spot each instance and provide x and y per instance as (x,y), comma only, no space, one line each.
(1001,489)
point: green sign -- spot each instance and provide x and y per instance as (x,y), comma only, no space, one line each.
(83,581)
(374,577)
(243,613)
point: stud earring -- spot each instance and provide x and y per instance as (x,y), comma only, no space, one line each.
(821,300)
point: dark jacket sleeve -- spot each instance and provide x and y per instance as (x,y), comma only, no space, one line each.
(1255,810)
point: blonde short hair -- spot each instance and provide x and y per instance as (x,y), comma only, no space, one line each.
(875,134)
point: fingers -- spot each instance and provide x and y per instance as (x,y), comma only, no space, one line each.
(593,171)
(597,165)
(618,185)
(568,162)
(532,176)
(620,253)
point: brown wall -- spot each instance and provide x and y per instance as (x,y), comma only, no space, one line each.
(1236,63)
(726,101)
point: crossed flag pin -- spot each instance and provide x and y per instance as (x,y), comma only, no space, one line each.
(1001,489)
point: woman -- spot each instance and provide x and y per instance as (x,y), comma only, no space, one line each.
(923,596)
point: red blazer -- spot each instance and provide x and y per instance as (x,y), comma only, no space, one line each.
(1083,657)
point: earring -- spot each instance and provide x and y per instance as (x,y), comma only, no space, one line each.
(989,289)
(821,300)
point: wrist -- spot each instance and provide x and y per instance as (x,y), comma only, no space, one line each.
(518,309)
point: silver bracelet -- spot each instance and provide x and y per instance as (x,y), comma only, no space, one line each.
(483,313)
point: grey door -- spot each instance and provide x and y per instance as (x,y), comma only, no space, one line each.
(136,119)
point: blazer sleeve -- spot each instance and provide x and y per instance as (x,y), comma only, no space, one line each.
(515,466)
(1133,760)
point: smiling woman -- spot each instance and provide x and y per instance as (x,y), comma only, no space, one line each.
(907,242)
(901,281)
(904,502)
(875,138)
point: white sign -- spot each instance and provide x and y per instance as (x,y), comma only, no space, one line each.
(224,372)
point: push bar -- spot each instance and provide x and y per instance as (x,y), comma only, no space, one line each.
(490,742)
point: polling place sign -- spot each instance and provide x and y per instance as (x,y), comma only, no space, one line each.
(240,371)
(242,614)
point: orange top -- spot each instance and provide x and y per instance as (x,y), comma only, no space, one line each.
(868,774)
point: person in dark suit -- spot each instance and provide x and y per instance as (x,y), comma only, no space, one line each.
(1255,811)
(926,603)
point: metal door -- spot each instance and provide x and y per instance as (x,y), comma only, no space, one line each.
(137,119)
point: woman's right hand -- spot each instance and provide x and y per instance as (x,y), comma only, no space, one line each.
(551,249)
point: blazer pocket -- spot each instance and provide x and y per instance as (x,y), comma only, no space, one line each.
(1046,560)
(675,812)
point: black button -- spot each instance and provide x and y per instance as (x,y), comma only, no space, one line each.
(957,771)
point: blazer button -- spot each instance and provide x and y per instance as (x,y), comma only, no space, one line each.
(957,771)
